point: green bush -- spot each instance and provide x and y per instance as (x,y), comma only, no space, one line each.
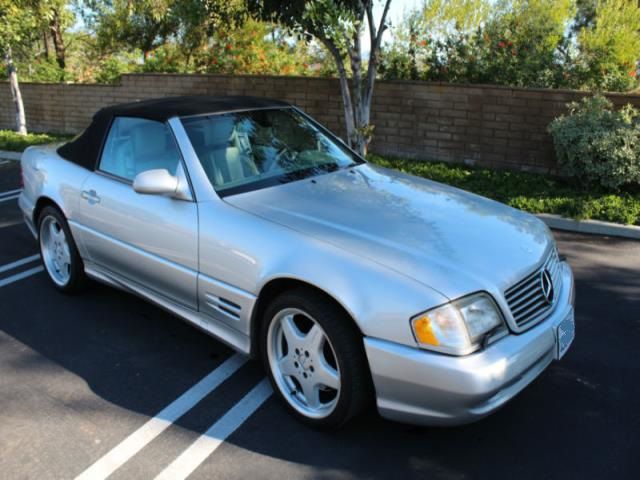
(531,192)
(12,141)
(110,70)
(597,144)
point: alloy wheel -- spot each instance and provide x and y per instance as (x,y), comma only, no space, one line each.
(303,363)
(56,254)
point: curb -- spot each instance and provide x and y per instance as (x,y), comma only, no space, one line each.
(6,155)
(596,227)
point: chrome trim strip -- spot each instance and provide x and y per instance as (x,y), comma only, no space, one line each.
(202,188)
(524,297)
(234,110)
(228,287)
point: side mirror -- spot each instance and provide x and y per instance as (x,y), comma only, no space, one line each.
(155,182)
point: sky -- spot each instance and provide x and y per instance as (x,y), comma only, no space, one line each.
(396,13)
(399,7)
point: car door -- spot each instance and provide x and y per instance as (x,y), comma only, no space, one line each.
(149,240)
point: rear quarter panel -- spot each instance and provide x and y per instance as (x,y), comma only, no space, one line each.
(46,175)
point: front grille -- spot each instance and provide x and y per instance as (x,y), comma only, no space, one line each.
(527,300)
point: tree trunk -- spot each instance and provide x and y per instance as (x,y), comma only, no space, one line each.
(58,40)
(344,90)
(45,43)
(358,142)
(21,124)
(357,110)
(375,35)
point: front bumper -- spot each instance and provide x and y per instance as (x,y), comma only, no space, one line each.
(421,387)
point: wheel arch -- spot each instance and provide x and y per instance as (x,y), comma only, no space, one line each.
(278,286)
(40,205)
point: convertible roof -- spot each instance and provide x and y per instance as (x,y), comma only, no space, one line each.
(85,149)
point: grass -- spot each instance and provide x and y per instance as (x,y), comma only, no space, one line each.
(10,140)
(534,193)
(530,192)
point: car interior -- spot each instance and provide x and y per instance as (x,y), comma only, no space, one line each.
(239,148)
(135,145)
(234,149)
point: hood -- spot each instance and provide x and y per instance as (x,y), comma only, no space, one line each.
(450,240)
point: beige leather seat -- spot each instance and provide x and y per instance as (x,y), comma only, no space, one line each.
(224,161)
(151,148)
(237,164)
(123,152)
(117,159)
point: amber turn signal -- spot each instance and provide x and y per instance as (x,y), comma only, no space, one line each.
(424,331)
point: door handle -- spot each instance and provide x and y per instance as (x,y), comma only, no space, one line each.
(90,196)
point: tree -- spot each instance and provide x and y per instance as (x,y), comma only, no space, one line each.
(338,25)
(201,21)
(17,27)
(515,42)
(55,18)
(609,46)
(148,24)
(255,48)
(119,24)
(528,39)
(464,16)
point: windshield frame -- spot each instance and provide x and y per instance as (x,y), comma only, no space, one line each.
(287,177)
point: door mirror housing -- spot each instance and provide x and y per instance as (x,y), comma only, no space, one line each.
(156,182)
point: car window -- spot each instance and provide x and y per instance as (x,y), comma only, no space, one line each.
(135,145)
(244,151)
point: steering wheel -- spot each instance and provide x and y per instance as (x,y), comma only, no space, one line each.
(280,154)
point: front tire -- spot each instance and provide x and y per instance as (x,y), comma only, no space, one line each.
(315,359)
(58,251)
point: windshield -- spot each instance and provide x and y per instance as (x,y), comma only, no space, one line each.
(245,151)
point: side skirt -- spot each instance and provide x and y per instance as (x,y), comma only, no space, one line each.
(233,338)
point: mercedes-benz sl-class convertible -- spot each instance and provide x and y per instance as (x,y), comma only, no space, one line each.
(351,282)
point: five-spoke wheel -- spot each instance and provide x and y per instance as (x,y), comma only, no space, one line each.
(58,251)
(55,250)
(303,362)
(314,356)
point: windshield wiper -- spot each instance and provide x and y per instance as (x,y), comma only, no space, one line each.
(308,172)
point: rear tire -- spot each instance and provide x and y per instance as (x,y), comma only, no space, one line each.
(58,252)
(315,359)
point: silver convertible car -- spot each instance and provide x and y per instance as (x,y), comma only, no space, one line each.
(351,282)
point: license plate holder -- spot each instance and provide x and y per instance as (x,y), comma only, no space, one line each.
(565,333)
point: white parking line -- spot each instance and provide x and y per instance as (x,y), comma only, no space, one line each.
(19,276)
(10,192)
(209,441)
(131,445)
(6,199)
(2,162)
(17,263)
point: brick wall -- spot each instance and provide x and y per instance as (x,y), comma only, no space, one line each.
(483,125)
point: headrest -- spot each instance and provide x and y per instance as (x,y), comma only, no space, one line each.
(218,133)
(149,138)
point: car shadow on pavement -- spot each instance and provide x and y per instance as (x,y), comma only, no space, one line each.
(578,419)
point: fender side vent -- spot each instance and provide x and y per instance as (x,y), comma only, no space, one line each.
(224,306)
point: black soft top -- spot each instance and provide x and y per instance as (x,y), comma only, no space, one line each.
(85,149)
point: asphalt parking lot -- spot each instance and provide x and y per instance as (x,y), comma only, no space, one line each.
(105,382)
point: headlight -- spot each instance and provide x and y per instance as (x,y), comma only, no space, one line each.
(458,327)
